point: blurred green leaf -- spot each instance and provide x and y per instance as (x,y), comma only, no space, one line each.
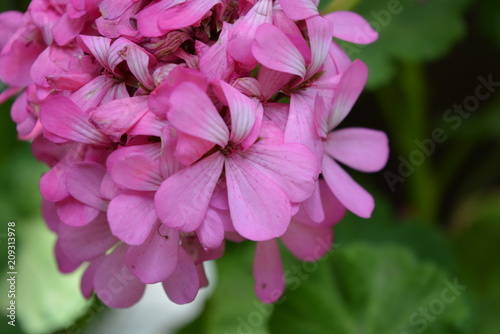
(233,307)
(477,227)
(336,5)
(411,31)
(490,19)
(367,289)
(47,299)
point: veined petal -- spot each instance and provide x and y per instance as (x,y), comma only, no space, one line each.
(211,231)
(83,181)
(359,148)
(243,112)
(98,47)
(185,14)
(240,44)
(320,35)
(306,242)
(272,81)
(94,92)
(132,216)
(137,172)
(182,200)
(260,210)
(350,194)
(190,149)
(215,63)
(351,27)
(193,113)
(299,9)
(116,117)
(75,213)
(273,49)
(268,271)
(155,260)
(139,62)
(63,117)
(351,85)
(291,166)
(183,285)
(114,284)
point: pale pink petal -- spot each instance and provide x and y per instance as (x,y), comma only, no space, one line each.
(260,210)
(211,231)
(63,117)
(97,46)
(334,210)
(75,213)
(52,185)
(193,113)
(67,28)
(351,85)
(148,125)
(292,167)
(273,49)
(136,172)
(299,9)
(183,285)
(10,21)
(320,34)
(308,243)
(111,9)
(243,113)
(94,92)
(289,27)
(185,14)
(132,216)
(147,19)
(49,214)
(182,200)
(139,62)
(272,81)
(301,124)
(117,117)
(277,113)
(240,44)
(350,194)
(352,27)
(190,149)
(109,189)
(215,63)
(313,206)
(254,134)
(83,181)
(359,148)
(85,243)
(268,272)
(114,284)
(154,260)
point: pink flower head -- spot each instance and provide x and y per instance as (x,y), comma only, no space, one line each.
(171,127)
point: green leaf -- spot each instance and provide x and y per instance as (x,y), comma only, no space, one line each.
(367,289)
(490,19)
(47,299)
(233,307)
(336,5)
(411,31)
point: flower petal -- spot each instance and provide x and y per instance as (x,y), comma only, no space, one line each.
(154,260)
(350,194)
(185,14)
(183,285)
(308,243)
(75,213)
(299,9)
(260,210)
(182,200)
(352,27)
(83,181)
(268,271)
(320,35)
(211,231)
(363,149)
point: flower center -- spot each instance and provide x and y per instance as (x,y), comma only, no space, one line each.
(230,150)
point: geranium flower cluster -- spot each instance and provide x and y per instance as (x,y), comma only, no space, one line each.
(171,126)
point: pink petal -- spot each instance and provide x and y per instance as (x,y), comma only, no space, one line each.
(359,148)
(268,272)
(65,263)
(273,49)
(291,166)
(320,35)
(190,149)
(83,181)
(272,81)
(193,113)
(111,9)
(118,116)
(63,117)
(185,14)
(352,27)
(147,18)
(211,231)
(67,28)
(139,62)
(114,284)
(242,36)
(351,85)
(252,137)
(132,216)
(49,214)
(87,282)
(182,200)
(334,210)
(137,172)
(52,185)
(350,194)
(277,113)
(313,206)
(308,243)
(243,113)
(260,210)
(96,46)
(74,213)
(10,21)
(299,9)
(301,124)
(183,285)
(215,63)
(85,243)
(94,92)
(154,260)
